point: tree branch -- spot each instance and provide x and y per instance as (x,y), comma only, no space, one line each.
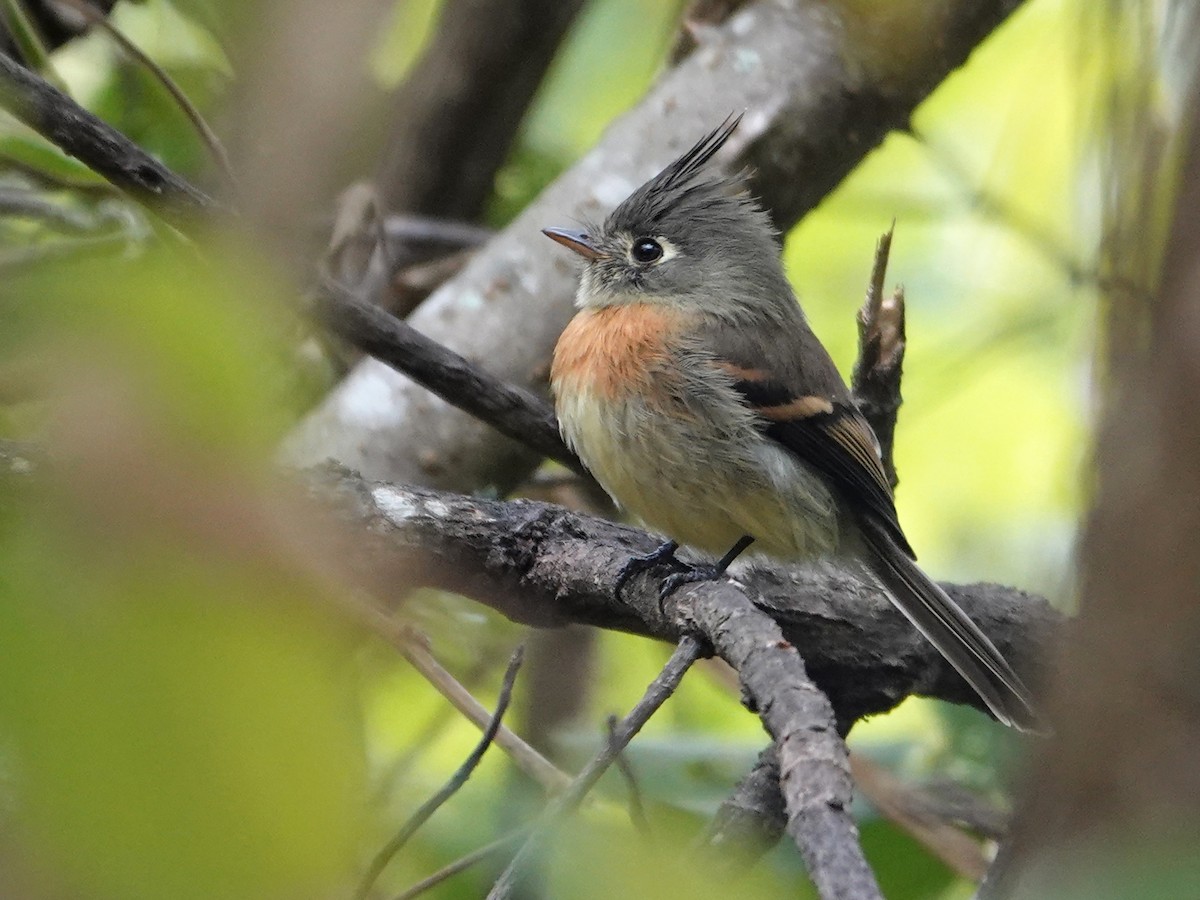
(753,818)
(458,110)
(541,565)
(450,788)
(813,761)
(100,147)
(513,411)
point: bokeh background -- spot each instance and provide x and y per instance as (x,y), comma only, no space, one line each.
(182,714)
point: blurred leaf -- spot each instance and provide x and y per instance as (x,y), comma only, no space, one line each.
(403,39)
(178,712)
(905,869)
(590,861)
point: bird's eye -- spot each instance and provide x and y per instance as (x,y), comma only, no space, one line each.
(647,250)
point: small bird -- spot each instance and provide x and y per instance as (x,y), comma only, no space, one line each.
(693,389)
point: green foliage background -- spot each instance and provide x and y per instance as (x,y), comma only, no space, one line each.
(180,723)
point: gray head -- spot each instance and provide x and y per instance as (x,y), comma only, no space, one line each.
(687,237)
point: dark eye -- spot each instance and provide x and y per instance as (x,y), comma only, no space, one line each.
(647,250)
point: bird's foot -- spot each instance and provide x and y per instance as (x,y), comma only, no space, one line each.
(672,583)
(710,572)
(665,553)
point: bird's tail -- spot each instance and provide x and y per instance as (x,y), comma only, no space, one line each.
(950,630)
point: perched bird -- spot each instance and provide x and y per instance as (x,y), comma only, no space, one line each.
(692,387)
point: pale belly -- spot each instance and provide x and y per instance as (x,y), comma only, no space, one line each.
(701,483)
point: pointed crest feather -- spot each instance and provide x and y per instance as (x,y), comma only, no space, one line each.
(673,185)
(690,164)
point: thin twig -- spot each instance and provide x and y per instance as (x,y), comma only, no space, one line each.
(28,41)
(463,863)
(207,136)
(637,810)
(442,718)
(448,234)
(408,642)
(752,819)
(687,651)
(457,780)
(879,366)
(29,204)
(99,146)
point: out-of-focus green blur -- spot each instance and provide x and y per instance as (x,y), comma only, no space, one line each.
(182,715)
(179,714)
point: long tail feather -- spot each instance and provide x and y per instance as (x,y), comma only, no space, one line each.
(950,630)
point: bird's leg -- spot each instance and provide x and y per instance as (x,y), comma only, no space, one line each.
(703,573)
(638,564)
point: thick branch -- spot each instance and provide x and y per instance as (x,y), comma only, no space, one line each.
(541,565)
(457,112)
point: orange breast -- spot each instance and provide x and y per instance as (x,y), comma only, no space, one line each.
(613,352)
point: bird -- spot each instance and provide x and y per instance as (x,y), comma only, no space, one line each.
(691,386)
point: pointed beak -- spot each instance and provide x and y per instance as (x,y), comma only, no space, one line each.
(579,241)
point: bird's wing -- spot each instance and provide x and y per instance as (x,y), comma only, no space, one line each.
(809,411)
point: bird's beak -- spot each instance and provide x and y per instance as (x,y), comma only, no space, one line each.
(579,241)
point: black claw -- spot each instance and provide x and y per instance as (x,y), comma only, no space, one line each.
(709,572)
(665,553)
(672,583)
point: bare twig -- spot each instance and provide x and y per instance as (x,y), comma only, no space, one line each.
(813,764)
(27,40)
(411,647)
(31,205)
(411,230)
(878,369)
(637,810)
(457,780)
(102,148)
(686,652)
(752,818)
(896,802)
(434,727)
(463,863)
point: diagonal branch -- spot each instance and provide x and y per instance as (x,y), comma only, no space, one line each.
(99,146)
(513,411)
(813,761)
